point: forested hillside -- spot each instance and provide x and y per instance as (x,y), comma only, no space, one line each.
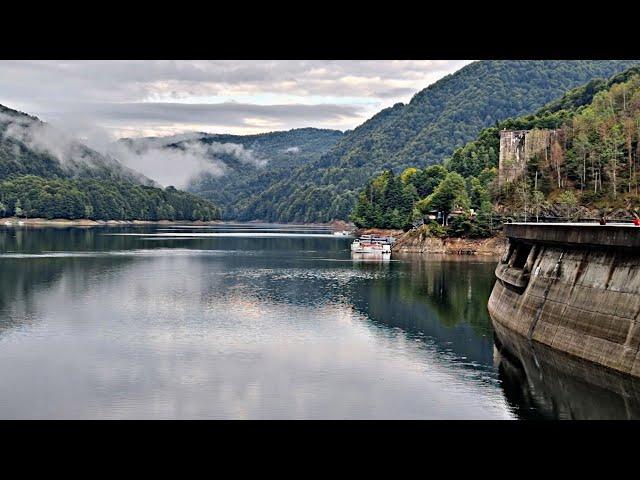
(30,146)
(594,169)
(483,152)
(43,173)
(314,175)
(438,119)
(246,165)
(32,196)
(279,153)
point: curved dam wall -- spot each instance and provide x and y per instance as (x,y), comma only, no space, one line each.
(574,288)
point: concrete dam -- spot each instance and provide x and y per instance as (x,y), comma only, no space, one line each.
(574,288)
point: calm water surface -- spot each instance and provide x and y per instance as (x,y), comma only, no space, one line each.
(259,321)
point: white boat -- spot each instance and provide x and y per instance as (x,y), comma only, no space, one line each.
(20,222)
(372,244)
(342,233)
(8,224)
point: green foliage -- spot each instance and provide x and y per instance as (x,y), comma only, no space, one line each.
(583,95)
(408,174)
(428,179)
(17,208)
(478,155)
(483,152)
(434,229)
(34,196)
(444,116)
(386,202)
(237,192)
(478,193)
(568,199)
(450,194)
(595,161)
(453,192)
(73,159)
(460,225)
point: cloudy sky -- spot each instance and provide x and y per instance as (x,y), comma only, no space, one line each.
(142,98)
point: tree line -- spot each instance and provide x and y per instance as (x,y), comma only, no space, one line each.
(430,195)
(423,132)
(34,196)
(593,162)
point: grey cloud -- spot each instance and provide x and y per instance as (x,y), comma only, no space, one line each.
(168,166)
(156,158)
(152,97)
(395,92)
(125,80)
(221,113)
(37,83)
(71,154)
(179,165)
(95,101)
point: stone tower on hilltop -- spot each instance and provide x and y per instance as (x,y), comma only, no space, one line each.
(518,147)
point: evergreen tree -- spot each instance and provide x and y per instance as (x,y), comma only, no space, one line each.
(17,209)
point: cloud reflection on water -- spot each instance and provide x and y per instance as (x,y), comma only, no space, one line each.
(188,334)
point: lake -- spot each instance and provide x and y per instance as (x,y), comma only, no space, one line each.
(261,322)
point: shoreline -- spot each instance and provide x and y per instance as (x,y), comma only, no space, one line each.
(411,242)
(414,242)
(85,222)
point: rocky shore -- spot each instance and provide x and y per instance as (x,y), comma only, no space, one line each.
(418,241)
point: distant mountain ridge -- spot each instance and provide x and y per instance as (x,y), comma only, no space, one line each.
(246,164)
(44,173)
(313,175)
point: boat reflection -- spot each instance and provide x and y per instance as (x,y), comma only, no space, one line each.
(539,382)
(371,257)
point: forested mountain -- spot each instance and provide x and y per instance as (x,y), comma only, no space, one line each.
(483,152)
(44,173)
(307,175)
(96,199)
(246,165)
(438,119)
(277,153)
(30,146)
(591,166)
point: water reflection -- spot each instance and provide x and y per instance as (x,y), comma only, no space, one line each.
(540,382)
(95,324)
(437,297)
(110,326)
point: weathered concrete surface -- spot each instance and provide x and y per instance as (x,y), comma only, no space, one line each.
(582,294)
(625,235)
(514,276)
